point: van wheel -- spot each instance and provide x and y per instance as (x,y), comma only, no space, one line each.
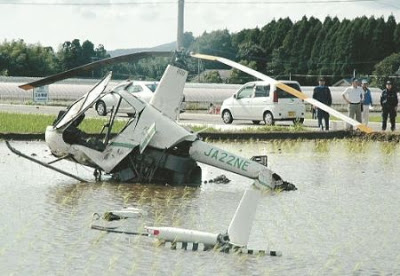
(298,121)
(227,117)
(101,108)
(256,122)
(269,119)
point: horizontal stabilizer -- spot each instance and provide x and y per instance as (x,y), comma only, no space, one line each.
(242,221)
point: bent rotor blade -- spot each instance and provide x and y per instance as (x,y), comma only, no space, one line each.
(288,89)
(108,61)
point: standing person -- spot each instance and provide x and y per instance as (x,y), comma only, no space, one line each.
(313,113)
(389,102)
(322,93)
(367,102)
(353,96)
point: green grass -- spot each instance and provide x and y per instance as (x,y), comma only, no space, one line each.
(258,129)
(375,118)
(37,123)
(378,118)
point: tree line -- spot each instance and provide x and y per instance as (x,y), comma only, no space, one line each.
(302,50)
(309,48)
(20,59)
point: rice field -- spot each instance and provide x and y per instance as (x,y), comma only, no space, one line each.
(342,220)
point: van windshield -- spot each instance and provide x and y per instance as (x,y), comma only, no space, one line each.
(284,94)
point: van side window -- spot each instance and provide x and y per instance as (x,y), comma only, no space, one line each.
(283,94)
(262,91)
(135,88)
(246,92)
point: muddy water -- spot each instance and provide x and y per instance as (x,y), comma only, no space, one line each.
(343,219)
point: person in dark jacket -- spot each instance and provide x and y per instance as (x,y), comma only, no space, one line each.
(322,93)
(389,102)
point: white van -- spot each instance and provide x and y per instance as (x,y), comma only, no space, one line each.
(263,101)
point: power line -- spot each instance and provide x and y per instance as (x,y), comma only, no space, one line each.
(132,3)
(279,2)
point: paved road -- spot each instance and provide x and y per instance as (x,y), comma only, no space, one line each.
(213,120)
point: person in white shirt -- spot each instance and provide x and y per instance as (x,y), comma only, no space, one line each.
(353,95)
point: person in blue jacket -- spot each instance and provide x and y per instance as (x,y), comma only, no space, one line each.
(389,102)
(366,102)
(322,93)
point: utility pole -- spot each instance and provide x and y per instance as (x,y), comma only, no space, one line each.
(179,41)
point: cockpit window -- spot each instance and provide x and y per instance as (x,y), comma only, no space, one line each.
(152,86)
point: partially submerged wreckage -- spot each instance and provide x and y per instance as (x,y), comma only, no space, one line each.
(153,148)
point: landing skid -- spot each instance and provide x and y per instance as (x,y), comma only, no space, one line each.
(43,163)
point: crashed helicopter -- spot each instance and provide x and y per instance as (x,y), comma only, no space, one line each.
(152,147)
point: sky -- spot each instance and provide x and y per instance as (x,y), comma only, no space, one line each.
(124,24)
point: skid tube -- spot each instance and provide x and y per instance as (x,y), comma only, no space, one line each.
(44,164)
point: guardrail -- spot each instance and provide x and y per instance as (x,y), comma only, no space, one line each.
(198,95)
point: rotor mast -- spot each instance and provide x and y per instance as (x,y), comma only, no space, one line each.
(179,42)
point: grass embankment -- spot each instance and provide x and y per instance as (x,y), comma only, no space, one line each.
(37,123)
(254,129)
(374,117)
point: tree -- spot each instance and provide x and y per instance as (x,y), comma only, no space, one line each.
(88,53)
(254,52)
(326,60)
(314,64)
(19,59)
(396,38)
(217,43)
(240,77)
(101,52)
(387,67)
(212,77)
(188,40)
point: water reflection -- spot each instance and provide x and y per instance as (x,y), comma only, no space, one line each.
(163,204)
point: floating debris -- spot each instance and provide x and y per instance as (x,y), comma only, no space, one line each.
(222,179)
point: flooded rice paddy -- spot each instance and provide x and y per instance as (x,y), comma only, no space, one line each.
(344,219)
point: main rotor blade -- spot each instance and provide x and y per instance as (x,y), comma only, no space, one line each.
(288,89)
(107,61)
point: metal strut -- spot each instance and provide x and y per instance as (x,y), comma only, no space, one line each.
(43,163)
